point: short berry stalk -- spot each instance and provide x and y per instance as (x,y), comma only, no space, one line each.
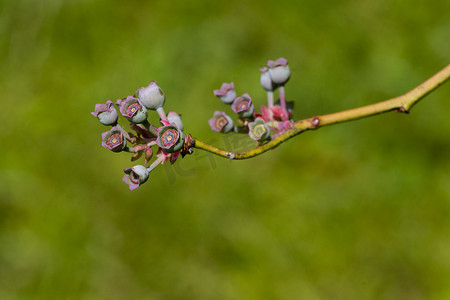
(284,117)
(161,113)
(156,163)
(270,99)
(150,128)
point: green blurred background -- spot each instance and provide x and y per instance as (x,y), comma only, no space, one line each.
(353,211)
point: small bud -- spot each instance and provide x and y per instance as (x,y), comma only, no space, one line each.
(136,155)
(106,113)
(132,109)
(258,130)
(173,117)
(266,113)
(279,71)
(135,176)
(266,81)
(170,138)
(220,122)
(243,106)
(151,96)
(226,93)
(278,113)
(114,140)
(148,154)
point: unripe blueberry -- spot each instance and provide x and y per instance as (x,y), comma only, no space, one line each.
(114,140)
(226,93)
(135,176)
(132,109)
(220,122)
(106,113)
(266,81)
(170,138)
(151,96)
(243,106)
(258,130)
(279,71)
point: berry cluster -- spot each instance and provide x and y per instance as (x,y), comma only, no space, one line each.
(168,138)
(274,119)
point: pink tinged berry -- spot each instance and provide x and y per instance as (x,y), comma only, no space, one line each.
(132,109)
(148,154)
(106,113)
(170,138)
(220,122)
(258,130)
(114,140)
(266,114)
(135,176)
(151,96)
(279,71)
(277,112)
(226,93)
(243,106)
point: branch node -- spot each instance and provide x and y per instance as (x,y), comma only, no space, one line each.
(402,109)
(231,155)
(315,122)
(191,141)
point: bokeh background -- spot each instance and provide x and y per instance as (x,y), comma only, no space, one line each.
(353,211)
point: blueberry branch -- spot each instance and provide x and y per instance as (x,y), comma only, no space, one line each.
(270,126)
(402,104)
